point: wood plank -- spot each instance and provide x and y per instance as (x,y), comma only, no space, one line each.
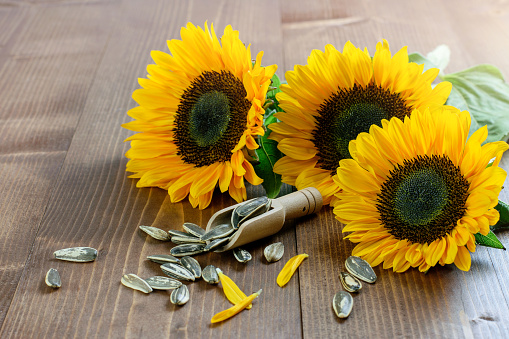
(94,204)
(41,94)
(446,301)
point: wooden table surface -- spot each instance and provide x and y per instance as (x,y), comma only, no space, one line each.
(67,72)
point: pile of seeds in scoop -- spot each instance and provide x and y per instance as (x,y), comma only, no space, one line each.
(356,269)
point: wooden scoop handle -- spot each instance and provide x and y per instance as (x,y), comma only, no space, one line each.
(300,203)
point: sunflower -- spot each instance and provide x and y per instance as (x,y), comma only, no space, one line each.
(199,113)
(335,97)
(416,191)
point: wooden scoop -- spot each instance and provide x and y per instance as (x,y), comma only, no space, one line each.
(293,205)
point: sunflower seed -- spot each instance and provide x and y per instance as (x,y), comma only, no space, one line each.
(350,283)
(180,240)
(76,254)
(342,304)
(156,233)
(209,274)
(274,252)
(241,255)
(216,243)
(53,278)
(187,249)
(177,272)
(163,258)
(193,229)
(163,283)
(220,231)
(180,295)
(192,265)
(175,233)
(360,269)
(136,283)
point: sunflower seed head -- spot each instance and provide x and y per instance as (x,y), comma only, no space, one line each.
(136,283)
(274,252)
(220,231)
(163,283)
(342,304)
(192,265)
(163,259)
(360,268)
(209,274)
(241,255)
(349,282)
(187,249)
(194,229)
(53,278)
(180,296)
(156,233)
(76,254)
(177,272)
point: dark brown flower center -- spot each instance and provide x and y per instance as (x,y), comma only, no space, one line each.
(423,199)
(211,118)
(349,112)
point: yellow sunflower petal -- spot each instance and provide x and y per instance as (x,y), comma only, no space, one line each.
(226,314)
(463,259)
(289,269)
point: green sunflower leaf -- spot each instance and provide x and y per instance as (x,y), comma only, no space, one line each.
(268,154)
(489,240)
(271,94)
(503,222)
(486,95)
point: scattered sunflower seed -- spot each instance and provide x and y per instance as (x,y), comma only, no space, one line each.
(177,271)
(163,283)
(209,274)
(349,282)
(342,304)
(216,243)
(163,259)
(241,255)
(220,231)
(192,265)
(360,268)
(187,249)
(180,295)
(175,233)
(194,229)
(136,283)
(76,254)
(180,240)
(156,233)
(274,252)
(53,278)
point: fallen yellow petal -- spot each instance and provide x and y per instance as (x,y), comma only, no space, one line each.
(290,267)
(226,314)
(231,290)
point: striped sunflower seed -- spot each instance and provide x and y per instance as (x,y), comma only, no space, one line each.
(163,283)
(180,296)
(349,282)
(187,249)
(175,233)
(177,272)
(156,233)
(220,231)
(274,252)
(53,278)
(342,304)
(194,229)
(163,259)
(136,283)
(179,240)
(360,268)
(241,255)
(209,274)
(216,243)
(76,254)
(192,265)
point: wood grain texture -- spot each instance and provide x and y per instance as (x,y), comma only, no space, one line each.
(67,72)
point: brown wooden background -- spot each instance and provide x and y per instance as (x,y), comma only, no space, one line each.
(67,71)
